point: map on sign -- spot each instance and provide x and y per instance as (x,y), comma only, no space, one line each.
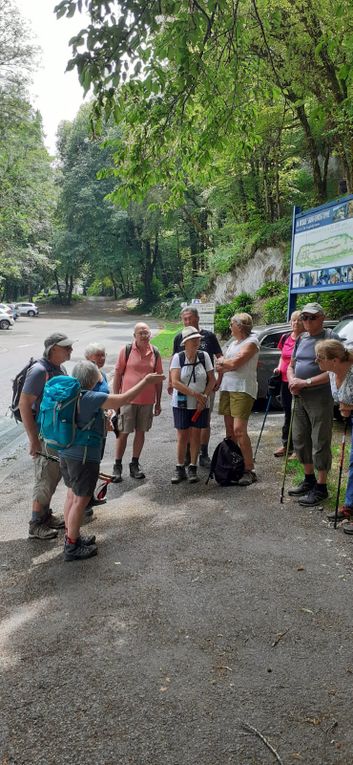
(323,247)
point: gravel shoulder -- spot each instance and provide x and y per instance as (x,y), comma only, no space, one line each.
(206,608)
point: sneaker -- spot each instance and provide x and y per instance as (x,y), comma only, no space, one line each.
(348,528)
(281,452)
(192,474)
(180,474)
(117,471)
(88,511)
(90,540)
(303,488)
(94,502)
(314,497)
(204,461)
(248,477)
(54,521)
(40,530)
(135,470)
(344,513)
(78,550)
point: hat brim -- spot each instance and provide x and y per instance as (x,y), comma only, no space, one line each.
(190,337)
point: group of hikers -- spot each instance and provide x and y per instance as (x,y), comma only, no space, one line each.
(314,368)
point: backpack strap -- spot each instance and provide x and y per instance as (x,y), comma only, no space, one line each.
(128,349)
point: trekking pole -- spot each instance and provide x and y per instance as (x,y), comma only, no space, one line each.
(287,449)
(343,446)
(263,425)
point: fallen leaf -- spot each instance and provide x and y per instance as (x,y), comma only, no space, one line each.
(306,610)
(300,568)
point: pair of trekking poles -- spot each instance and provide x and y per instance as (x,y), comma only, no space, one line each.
(273,391)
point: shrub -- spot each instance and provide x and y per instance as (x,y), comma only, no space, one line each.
(275,308)
(243,303)
(269,289)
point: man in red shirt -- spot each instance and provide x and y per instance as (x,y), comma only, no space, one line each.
(133,363)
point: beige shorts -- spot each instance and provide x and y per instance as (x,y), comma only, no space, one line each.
(47,475)
(136,417)
(235,404)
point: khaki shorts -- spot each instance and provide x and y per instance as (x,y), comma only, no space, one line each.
(47,475)
(235,404)
(136,417)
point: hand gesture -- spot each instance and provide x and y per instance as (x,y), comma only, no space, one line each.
(153,378)
(157,410)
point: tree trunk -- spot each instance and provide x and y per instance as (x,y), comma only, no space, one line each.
(58,287)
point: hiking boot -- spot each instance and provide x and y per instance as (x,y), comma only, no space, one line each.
(344,514)
(303,488)
(248,477)
(192,474)
(314,497)
(135,471)
(204,461)
(348,528)
(94,502)
(78,550)
(180,474)
(117,471)
(54,521)
(187,456)
(40,530)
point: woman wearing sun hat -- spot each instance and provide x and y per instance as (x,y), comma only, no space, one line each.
(193,380)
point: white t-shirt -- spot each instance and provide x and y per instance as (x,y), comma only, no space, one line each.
(243,379)
(198,380)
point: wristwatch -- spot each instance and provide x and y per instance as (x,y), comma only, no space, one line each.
(308,381)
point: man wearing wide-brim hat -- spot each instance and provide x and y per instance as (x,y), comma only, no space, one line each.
(57,349)
(313,408)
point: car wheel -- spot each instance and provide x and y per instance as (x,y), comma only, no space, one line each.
(30,313)
(4,324)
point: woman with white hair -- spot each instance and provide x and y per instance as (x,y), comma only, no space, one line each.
(237,381)
(95,352)
(334,358)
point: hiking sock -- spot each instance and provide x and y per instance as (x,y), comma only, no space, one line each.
(70,541)
(134,460)
(118,463)
(310,478)
(204,450)
(321,487)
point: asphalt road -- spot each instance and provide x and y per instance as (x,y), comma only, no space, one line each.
(207,610)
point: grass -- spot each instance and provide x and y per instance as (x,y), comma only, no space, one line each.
(164,340)
(295,470)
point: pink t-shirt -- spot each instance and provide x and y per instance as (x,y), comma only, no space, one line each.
(135,369)
(286,347)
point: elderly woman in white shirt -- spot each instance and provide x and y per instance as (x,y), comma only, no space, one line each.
(237,381)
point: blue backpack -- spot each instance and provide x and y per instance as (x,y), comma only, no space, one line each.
(58,414)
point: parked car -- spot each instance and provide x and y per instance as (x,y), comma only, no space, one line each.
(15,312)
(6,320)
(7,308)
(344,329)
(27,309)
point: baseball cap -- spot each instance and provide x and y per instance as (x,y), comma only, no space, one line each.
(312,308)
(189,333)
(57,338)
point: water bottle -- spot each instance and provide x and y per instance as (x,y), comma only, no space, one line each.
(182,400)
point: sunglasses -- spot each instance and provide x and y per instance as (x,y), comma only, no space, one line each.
(309,316)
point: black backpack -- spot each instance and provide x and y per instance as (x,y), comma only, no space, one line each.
(227,464)
(17,385)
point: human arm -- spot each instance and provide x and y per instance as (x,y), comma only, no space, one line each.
(229,365)
(211,382)
(116,400)
(178,385)
(157,406)
(25,406)
(296,384)
(218,381)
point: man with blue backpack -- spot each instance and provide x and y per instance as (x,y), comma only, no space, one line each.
(71,420)
(57,349)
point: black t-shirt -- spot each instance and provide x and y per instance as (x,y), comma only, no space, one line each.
(208,343)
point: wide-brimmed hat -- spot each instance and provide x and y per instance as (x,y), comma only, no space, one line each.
(313,308)
(57,338)
(189,333)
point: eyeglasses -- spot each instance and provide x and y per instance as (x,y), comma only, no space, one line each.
(144,334)
(309,316)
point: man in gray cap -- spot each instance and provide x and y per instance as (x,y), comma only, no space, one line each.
(57,349)
(313,408)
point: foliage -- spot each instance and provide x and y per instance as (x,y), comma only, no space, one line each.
(243,303)
(269,289)
(275,308)
(164,339)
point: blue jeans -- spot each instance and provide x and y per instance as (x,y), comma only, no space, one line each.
(349,488)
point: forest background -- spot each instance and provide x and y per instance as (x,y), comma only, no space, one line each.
(206,122)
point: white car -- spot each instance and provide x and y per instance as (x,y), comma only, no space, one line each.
(27,309)
(6,320)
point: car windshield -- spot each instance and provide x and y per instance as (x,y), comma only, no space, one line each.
(345,330)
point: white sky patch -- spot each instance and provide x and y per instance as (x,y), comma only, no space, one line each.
(57,94)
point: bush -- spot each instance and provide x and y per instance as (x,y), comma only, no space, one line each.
(269,289)
(243,303)
(275,308)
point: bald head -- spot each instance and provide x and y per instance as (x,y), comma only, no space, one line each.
(142,333)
